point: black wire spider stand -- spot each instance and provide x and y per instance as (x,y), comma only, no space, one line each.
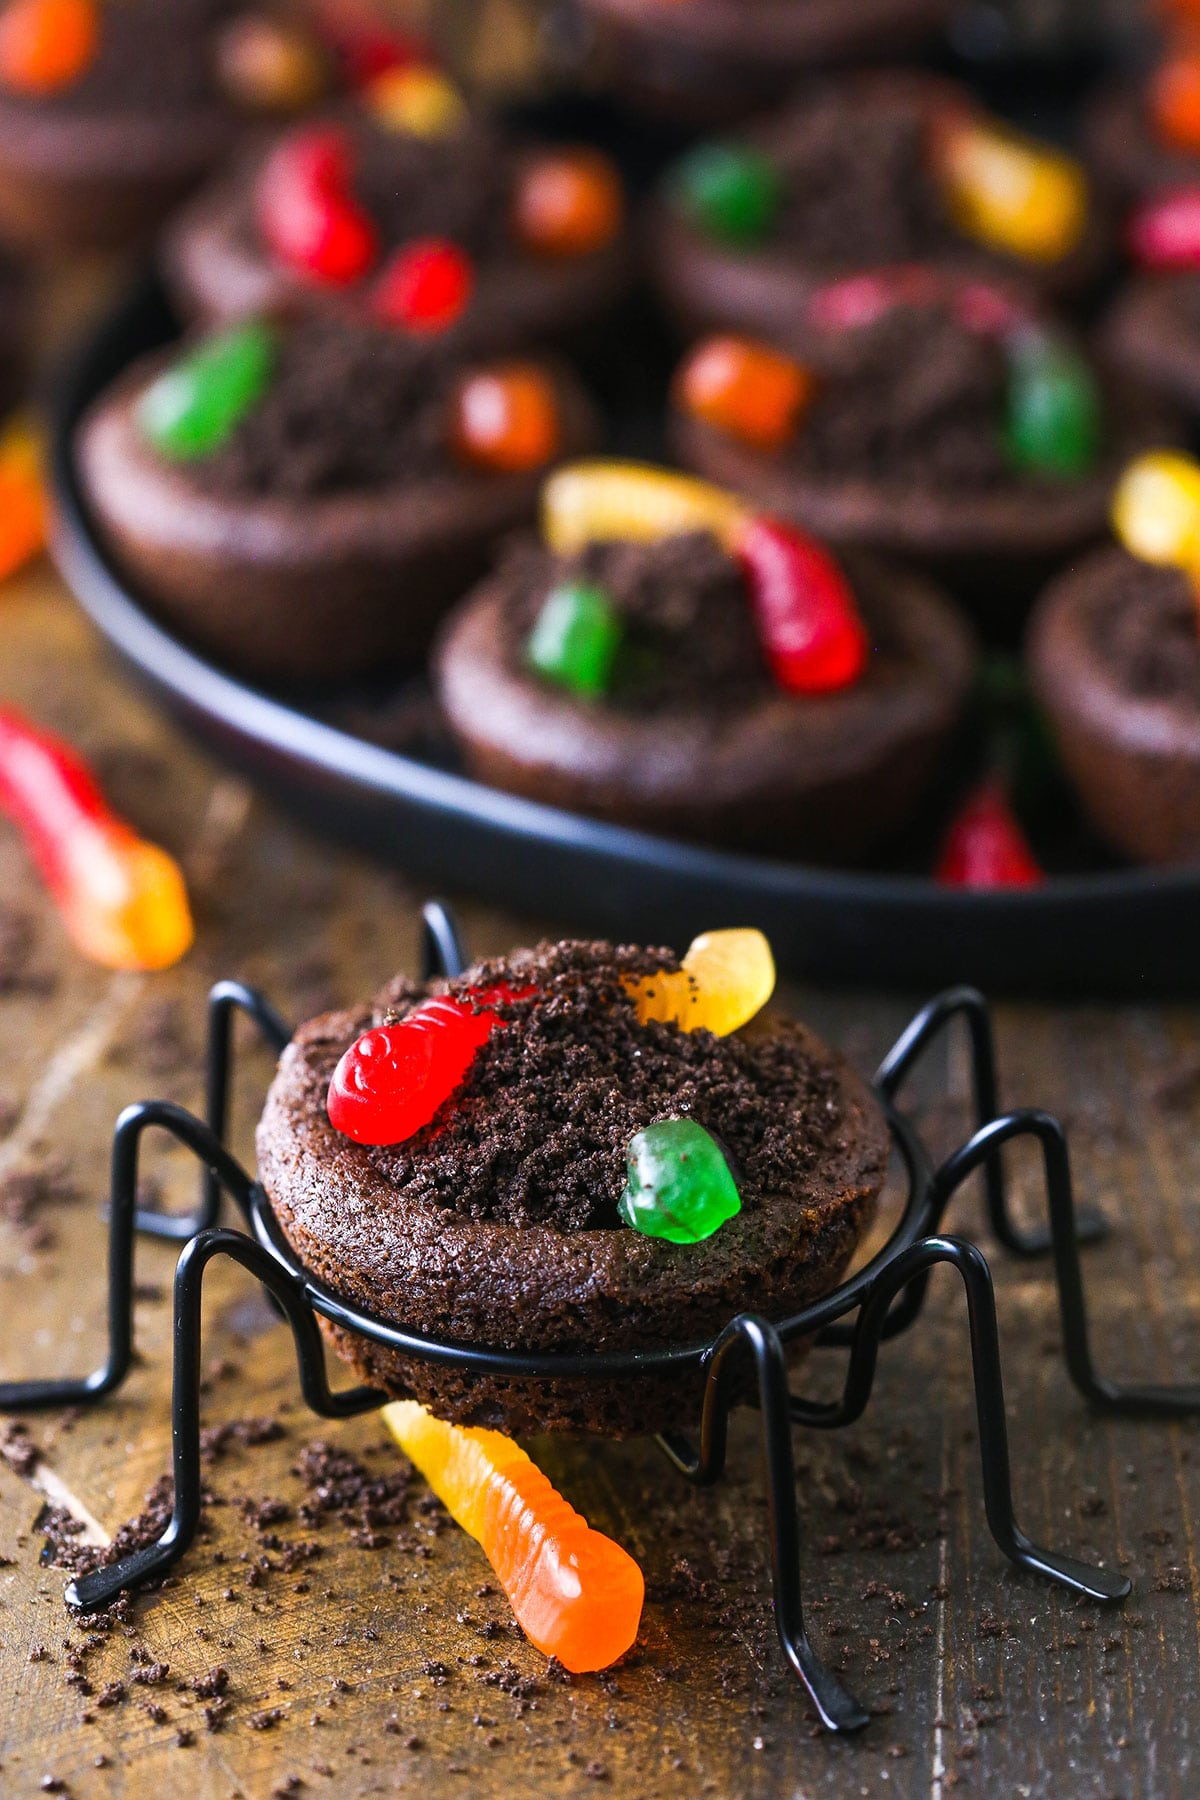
(874,1304)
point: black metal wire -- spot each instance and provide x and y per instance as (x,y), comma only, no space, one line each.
(885,1296)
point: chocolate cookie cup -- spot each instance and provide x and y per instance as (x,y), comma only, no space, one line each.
(1152,333)
(96,146)
(1129,143)
(343,511)
(862,171)
(499,1222)
(714,59)
(698,732)
(936,421)
(1114,656)
(531,238)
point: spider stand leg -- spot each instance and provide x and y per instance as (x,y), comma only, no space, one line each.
(224,1000)
(969,1004)
(223,1171)
(90,1592)
(1109,1396)
(748,1334)
(912,1265)
(442,950)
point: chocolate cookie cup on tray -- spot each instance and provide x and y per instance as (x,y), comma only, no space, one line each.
(513,1185)
(934,419)
(1152,333)
(1114,655)
(381,208)
(1141,134)
(109,113)
(713,59)
(670,660)
(858,172)
(302,501)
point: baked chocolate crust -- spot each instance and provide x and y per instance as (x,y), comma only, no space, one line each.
(1152,332)
(287,589)
(534,1287)
(1134,757)
(219,270)
(826,777)
(82,181)
(709,286)
(1128,159)
(716,58)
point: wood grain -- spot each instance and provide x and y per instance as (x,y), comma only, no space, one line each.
(388,1670)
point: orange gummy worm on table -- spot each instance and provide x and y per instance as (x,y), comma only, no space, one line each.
(123,900)
(576,1594)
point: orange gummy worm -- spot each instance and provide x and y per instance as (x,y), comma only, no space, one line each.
(576,1594)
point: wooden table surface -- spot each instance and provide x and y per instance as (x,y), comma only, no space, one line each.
(381,1660)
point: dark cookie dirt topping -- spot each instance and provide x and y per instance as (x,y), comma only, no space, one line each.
(347,407)
(538,1132)
(858,183)
(917,398)
(456,187)
(684,607)
(1145,622)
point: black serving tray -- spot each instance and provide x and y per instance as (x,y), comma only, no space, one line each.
(1120,932)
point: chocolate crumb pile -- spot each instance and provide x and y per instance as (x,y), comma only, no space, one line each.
(916,398)
(684,607)
(539,1130)
(153,56)
(347,407)
(1146,625)
(859,186)
(455,187)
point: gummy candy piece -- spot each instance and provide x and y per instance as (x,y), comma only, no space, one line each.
(392,1080)
(417,100)
(46,45)
(567,203)
(122,900)
(1053,423)
(576,1594)
(726,978)
(1156,508)
(22,500)
(587,502)
(506,418)
(1173,101)
(985,846)
(1010,193)
(267,66)
(425,287)
(196,405)
(732,192)
(1164,232)
(745,389)
(808,622)
(679,1186)
(575,638)
(307,212)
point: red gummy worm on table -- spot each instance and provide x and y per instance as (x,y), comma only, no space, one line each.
(123,901)
(985,846)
